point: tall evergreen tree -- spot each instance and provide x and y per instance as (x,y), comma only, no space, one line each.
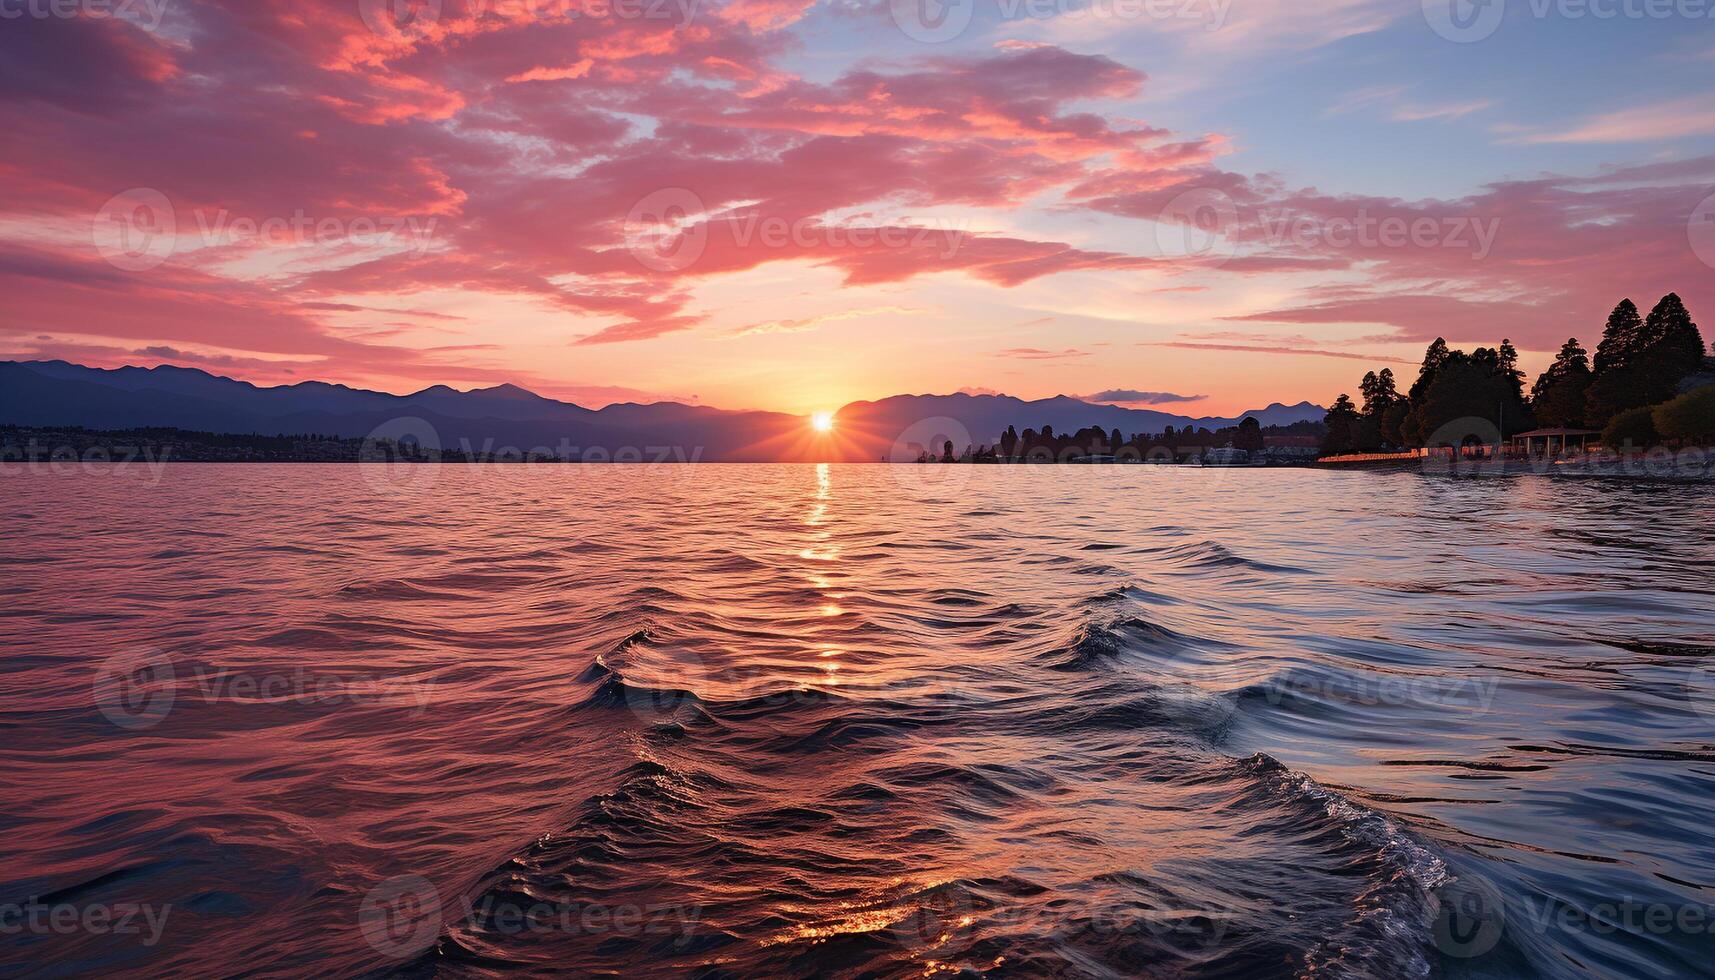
(1379,393)
(1641,363)
(1433,358)
(1558,397)
(1370,390)
(1342,421)
(1509,366)
(1619,338)
(1674,345)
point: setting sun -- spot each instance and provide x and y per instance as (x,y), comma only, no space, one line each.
(822,421)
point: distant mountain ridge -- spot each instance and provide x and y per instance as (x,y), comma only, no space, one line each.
(57,393)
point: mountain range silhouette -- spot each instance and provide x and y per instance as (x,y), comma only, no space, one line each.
(58,393)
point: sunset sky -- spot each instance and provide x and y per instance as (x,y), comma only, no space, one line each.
(789,205)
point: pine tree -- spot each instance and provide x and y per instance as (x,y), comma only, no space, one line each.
(1433,358)
(1558,397)
(1342,421)
(1641,363)
(1370,389)
(1619,338)
(1509,365)
(1674,344)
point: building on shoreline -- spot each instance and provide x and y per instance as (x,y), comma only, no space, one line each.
(1542,442)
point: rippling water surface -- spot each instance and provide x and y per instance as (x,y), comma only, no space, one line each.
(856,720)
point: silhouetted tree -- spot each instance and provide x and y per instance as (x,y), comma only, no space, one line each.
(1619,338)
(947,451)
(1249,436)
(1008,442)
(1558,397)
(1641,364)
(1673,347)
(1392,425)
(1468,386)
(1433,358)
(1369,390)
(1341,420)
(1509,367)
(1613,388)
(1380,397)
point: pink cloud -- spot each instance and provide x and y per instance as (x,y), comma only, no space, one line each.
(1037,354)
(1692,116)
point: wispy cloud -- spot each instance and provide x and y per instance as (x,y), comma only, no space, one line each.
(1036,354)
(1446,112)
(1693,116)
(1286,351)
(1131,396)
(811,323)
(1392,100)
(1365,98)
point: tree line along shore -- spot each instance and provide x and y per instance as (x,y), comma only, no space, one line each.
(1652,383)
(1247,442)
